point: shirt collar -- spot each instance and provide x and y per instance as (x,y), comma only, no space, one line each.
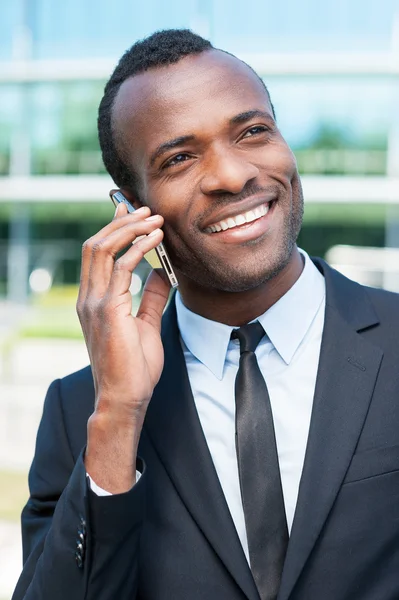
(286,322)
(289,319)
(207,340)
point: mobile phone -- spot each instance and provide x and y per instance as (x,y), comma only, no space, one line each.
(157,257)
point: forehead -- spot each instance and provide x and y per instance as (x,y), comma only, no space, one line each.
(175,100)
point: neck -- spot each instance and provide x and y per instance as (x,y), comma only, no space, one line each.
(239,308)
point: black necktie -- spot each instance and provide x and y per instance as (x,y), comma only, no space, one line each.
(260,481)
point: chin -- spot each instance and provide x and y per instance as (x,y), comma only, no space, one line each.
(238,279)
(255,272)
(244,282)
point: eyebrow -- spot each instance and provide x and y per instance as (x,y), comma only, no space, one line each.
(250,114)
(170,145)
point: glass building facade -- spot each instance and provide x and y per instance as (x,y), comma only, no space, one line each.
(337,124)
(98,28)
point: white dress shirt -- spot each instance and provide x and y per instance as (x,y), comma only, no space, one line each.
(288,357)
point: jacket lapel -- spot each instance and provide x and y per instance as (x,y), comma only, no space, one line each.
(348,369)
(174,428)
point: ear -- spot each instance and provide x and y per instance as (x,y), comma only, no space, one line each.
(133,199)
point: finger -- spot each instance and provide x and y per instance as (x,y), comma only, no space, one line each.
(154,299)
(120,211)
(123,268)
(161,272)
(121,218)
(104,252)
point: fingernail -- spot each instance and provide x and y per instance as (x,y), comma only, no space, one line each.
(116,210)
(155,232)
(152,218)
(138,238)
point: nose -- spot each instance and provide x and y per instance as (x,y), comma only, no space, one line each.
(226,172)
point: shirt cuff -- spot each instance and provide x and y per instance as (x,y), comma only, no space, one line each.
(99,491)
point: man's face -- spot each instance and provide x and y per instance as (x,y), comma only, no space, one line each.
(201,137)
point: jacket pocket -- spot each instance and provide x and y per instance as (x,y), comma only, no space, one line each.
(371,463)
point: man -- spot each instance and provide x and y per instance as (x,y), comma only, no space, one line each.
(216,459)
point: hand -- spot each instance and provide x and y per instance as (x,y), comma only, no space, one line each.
(126,352)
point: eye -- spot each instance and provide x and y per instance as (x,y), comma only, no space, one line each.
(255,130)
(176,160)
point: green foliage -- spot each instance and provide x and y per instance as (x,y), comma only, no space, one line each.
(333,150)
(46,322)
(331,136)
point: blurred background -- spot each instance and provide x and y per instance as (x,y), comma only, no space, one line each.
(332,68)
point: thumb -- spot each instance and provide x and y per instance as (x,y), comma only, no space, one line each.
(154,299)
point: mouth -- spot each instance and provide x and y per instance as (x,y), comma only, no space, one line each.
(241,220)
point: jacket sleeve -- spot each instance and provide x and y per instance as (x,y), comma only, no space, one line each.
(76,544)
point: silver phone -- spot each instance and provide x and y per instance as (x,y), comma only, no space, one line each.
(157,257)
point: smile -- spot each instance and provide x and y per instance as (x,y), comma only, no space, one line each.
(241,219)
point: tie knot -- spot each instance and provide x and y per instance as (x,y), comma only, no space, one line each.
(249,336)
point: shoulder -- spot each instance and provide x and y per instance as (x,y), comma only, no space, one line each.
(355,299)
(78,383)
(386,306)
(383,298)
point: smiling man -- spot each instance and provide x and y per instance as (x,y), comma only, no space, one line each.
(245,444)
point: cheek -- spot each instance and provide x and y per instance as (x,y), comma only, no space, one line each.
(173,199)
(279,162)
(161,200)
(169,202)
(287,165)
(290,164)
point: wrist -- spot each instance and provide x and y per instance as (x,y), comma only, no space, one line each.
(111,412)
(111,452)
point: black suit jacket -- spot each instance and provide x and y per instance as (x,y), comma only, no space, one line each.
(172,536)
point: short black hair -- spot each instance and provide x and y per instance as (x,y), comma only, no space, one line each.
(160,49)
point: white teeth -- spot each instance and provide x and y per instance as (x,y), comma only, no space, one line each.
(265,209)
(231,223)
(248,217)
(240,220)
(258,211)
